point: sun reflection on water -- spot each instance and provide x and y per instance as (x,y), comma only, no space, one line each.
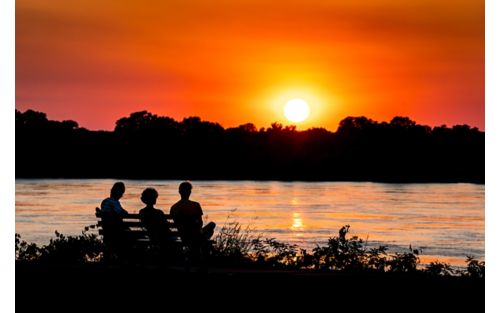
(297,223)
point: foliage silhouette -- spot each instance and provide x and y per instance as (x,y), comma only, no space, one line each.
(360,150)
(241,247)
(440,269)
(81,249)
(341,253)
(475,268)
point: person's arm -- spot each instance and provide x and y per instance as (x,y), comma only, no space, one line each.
(199,220)
(174,215)
(103,205)
(118,209)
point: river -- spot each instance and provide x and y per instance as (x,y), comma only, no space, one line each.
(445,221)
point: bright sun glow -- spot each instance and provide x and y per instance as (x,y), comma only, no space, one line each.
(297,221)
(296,110)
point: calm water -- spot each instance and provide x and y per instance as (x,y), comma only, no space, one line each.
(445,220)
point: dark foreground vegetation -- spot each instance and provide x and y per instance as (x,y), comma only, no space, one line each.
(237,247)
(244,270)
(144,145)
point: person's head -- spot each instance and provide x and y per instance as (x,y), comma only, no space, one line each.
(117,190)
(185,189)
(149,196)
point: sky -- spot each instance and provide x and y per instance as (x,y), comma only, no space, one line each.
(234,62)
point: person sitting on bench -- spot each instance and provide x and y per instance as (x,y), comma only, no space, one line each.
(154,220)
(187,215)
(115,235)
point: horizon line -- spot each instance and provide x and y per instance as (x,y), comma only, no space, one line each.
(256,126)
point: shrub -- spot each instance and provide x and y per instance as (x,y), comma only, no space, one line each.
(376,258)
(403,262)
(439,269)
(27,252)
(475,268)
(237,246)
(62,250)
(341,253)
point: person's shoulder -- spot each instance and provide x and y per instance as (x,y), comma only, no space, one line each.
(159,212)
(111,201)
(195,207)
(107,203)
(175,207)
(196,204)
(179,202)
(106,200)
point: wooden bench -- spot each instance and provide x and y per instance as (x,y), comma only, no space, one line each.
(128,238)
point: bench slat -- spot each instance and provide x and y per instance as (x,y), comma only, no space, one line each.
(99,214)
(137,224)
(136,230)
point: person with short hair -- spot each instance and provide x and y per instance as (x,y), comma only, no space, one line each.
(187,215)
(154,219)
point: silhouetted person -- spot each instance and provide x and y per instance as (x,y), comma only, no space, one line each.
(154,219)
(187,215)
(115,233)
(112,204)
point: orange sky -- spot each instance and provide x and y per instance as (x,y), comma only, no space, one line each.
(234,62)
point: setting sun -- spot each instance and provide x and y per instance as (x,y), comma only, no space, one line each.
(296,110)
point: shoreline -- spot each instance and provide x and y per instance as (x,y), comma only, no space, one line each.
(222,179)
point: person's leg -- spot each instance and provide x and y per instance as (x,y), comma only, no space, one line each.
(208,230)
(207,247)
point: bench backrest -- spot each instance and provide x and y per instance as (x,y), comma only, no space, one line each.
(135,228)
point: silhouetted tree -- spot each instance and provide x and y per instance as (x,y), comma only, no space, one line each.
(402,122)
(145,145)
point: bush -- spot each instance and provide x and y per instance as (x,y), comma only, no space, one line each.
(403,262)
(439,269)
(475,268)
(237,246)
(341,253)
(26,251)
(80,249)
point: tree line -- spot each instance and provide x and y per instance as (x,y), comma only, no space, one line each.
(147,146)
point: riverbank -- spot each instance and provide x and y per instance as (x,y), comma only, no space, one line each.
(99,287)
